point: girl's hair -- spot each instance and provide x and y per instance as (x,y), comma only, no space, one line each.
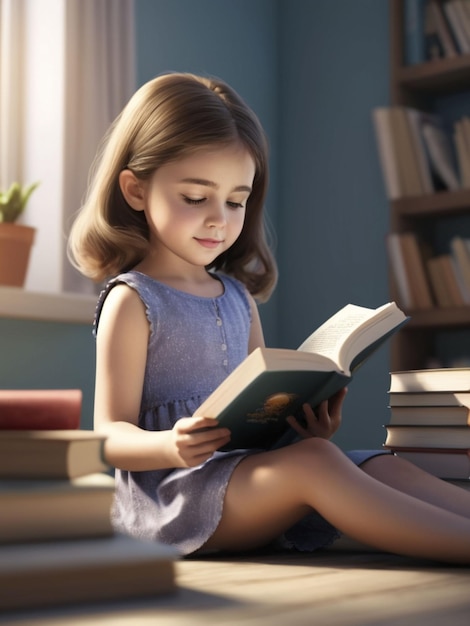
(169,118)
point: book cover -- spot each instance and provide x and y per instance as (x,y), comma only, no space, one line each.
(427,436)
(37,409)
(429,416)
(42,574)
(271,384)
(429,398)
(50,453)
(449,379)
(42,510)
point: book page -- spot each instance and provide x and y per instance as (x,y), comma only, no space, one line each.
(330,336)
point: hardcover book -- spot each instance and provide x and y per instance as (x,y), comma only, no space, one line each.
(38,409)
(50,453)
(271,384)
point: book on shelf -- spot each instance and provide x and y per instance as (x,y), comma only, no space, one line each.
(443,30)
(448,463)
(445,282)
(413,256)
(462,145)
(456,17)
(41,510)
(427,437)
(398,270)
(443,379)
(387,151)
(429,398)
(407,153)
(37,409)
(460,251)
(414,18)
(407,261)
(433,46)
(456,294)
(50,453)
(429,416)
(416,120)
(118,567)
(271,384)
(416,153)
(441,153)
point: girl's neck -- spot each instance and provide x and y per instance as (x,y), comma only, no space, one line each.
(201,283)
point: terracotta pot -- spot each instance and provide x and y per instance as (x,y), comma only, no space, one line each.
(16,241)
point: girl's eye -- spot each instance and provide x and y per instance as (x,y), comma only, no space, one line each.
(189,200)
(235,205)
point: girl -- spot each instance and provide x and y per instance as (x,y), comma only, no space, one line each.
(174,219)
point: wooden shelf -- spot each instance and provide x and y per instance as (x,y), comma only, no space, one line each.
(438,77)
(16,303)
(451,317)
(444,203)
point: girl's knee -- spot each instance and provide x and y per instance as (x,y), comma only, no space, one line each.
(316,447)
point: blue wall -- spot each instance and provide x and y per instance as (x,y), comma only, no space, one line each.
(312,70)
(333,213)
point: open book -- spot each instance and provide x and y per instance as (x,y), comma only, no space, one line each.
(271,384)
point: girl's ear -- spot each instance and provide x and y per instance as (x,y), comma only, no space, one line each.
(132,189)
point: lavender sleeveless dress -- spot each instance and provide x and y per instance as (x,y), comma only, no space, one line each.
(194,344)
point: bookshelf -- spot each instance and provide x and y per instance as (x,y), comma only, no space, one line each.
(419,86)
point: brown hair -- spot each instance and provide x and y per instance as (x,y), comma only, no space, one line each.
(168,118)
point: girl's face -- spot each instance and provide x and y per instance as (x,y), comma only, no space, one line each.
(195,207)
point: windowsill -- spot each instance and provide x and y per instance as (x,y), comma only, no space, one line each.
(16,303)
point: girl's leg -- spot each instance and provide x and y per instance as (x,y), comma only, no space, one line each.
(270,491)
(406,477)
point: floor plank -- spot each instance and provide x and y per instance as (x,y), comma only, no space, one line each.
(329,589)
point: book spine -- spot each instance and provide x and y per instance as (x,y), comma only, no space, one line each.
(414,15)
(387,152)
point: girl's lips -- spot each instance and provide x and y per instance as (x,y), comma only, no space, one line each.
(208,243)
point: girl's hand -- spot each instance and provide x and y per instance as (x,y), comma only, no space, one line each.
(322,422)
(195,439)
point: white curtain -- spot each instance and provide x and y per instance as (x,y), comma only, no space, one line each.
(11,91)
(100,78)
(60,118)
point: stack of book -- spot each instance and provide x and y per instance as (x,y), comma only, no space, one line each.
(424,280)
(430,421)
(57,543)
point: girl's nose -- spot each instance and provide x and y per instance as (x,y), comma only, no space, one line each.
(217,215)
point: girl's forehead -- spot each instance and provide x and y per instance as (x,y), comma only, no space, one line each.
(213,163)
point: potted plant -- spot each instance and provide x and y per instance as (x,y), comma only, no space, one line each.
(16,240)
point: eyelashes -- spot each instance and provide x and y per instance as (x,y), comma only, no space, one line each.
(199,201)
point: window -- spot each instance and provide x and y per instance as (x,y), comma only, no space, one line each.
(67,67)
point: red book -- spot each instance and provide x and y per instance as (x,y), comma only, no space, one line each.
(40,409)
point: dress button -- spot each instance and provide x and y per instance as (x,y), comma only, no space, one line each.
(225,362)
(224,347)
(219,322)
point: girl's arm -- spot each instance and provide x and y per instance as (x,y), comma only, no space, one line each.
(256,332)
(121,354)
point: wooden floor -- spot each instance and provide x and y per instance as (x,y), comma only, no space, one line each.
(344,589)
